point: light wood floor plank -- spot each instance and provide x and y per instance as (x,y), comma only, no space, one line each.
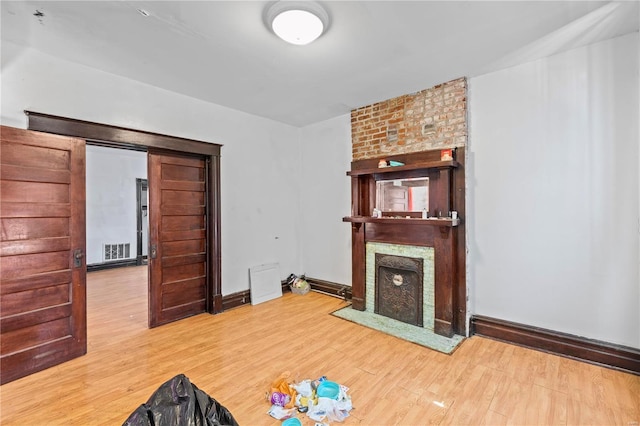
(235,356)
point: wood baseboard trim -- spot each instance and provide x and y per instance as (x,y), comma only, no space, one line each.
(236,299)
(240,298)
(334,289)
(597,352)
(110,265)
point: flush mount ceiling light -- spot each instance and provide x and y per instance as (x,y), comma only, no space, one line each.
(297,22)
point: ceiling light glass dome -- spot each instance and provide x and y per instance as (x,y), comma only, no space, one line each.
(297,22)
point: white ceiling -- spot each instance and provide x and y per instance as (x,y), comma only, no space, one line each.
(222,51)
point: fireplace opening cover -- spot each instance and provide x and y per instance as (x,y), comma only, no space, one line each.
(399,288)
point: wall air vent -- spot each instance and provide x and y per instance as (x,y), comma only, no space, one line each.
(116,251)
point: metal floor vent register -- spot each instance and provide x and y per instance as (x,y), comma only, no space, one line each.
(116,251)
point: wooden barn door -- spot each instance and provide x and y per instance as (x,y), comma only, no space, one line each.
(42,246)
(177,237)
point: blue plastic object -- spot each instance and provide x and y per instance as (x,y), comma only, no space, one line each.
(328,389)
(292,421)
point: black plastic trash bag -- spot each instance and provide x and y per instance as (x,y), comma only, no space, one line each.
(178,402)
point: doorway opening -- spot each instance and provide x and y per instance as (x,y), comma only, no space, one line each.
(117,233)
(117,226)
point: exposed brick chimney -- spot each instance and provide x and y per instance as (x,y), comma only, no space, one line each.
(430,119)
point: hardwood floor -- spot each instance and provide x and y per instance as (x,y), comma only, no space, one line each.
(234,357)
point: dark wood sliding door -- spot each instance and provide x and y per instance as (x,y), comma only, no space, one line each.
(42,264)
(178,237)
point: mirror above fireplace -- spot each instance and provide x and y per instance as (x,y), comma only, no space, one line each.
(403,195)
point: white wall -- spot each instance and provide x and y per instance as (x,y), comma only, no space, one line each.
(325,198)
(553,193)
(111,198)
(260,157)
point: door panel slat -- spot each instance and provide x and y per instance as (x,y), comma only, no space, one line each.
(35,317)
(183,210)
(11,248)
(19,210)
(187,162)
(169,261)
(186,310)
(182,272)
(33,282)
(180,248)
(33,228)
(34,192)
(37,334)
(183,235)
(11,172)
(182,223)
(183,292)
(40,298)
(172,172)
(190,198)
(25,155)
(182,185)
(31,264)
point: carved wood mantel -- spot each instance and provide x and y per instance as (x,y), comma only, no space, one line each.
(446,236)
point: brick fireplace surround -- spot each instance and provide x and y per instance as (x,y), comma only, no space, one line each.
(413,129)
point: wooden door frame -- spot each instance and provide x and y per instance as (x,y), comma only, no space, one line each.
(121,137)
(140,185)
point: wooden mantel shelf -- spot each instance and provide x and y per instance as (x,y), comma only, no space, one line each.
(404,221)
(407,167)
